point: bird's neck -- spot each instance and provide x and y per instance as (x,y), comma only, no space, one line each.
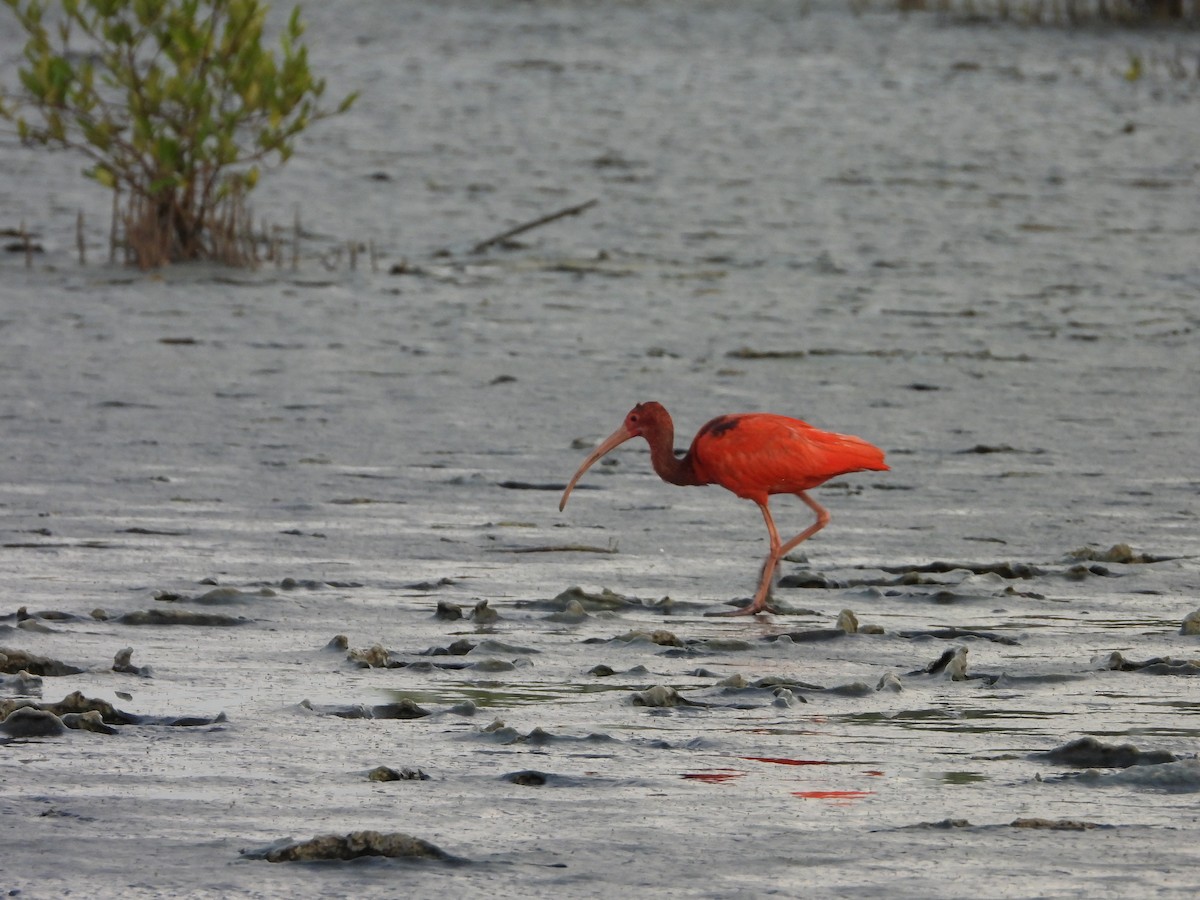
(667,465)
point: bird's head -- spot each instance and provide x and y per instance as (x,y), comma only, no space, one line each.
(641,420)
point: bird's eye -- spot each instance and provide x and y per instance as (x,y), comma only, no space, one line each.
(633,417)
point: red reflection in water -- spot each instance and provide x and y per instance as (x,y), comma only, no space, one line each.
(716,776)
(872,772)
(832,795)
(784,761)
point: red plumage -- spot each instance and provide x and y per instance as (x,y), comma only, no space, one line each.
(754,455)
(758,454)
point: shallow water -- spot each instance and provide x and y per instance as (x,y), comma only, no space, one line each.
(971,245)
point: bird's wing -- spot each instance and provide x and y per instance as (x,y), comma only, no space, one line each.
(758,454)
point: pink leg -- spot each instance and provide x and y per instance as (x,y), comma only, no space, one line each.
(778,552)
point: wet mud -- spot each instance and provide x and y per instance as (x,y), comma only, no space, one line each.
(974,244)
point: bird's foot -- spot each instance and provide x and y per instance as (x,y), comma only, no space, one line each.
(750,609)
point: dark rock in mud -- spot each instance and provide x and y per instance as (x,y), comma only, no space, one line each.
(394,845)
(123,663)
(224,596)
(808,636)
(387,773)
(810,581)
(13,661)
(890,682)
(1089,753)
(942,825)
(374,657)
(604,601)
(484,614)
(88,721)
(527,778)
(461,647)
(448,612)
(953,662)
(179,617)
(429,585)
(77,703)
(402,709)
(659,636)
(955,634)
(1117,553)
(1191,623)
(1079,572)
(572,614)
(602,671)
(661,696)
(219,596)
(1008,570)
(30,721)
(21,684)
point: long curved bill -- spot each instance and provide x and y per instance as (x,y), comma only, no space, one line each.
(620,436)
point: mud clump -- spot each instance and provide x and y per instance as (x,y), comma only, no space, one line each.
(661,696)
(14,661)
(29,722)
(1191,623)
(123,663)
(179,617)
(1057,824)
(387,773)
(394,845)
(374,657)
(1089,753)
(1155,665)
(527,778)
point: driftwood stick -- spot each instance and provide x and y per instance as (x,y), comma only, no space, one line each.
(536,223)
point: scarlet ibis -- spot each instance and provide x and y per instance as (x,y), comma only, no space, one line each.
(753,455)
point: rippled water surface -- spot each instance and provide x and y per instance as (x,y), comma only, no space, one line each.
(972,244)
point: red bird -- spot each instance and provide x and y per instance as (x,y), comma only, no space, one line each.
(752,454)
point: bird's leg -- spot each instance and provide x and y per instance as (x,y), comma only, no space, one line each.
(822,521)
(759,603)
(778,552)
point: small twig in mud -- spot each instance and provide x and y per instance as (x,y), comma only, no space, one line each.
(562,548)
(112,227)
(536,223)
(79,242)
(296,239)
